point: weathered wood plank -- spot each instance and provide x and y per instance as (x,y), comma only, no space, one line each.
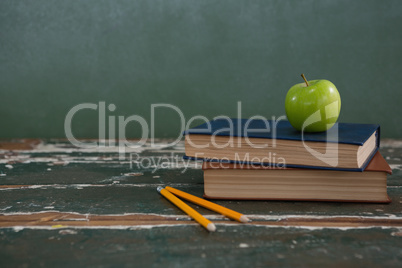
(64,220)
(187,246)
(19,144)
(93,173)
(143,198)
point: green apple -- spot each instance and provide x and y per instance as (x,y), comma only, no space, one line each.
(313,106)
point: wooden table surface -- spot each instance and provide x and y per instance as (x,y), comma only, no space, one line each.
(65,206)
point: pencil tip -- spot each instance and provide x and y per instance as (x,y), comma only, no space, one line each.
(244,219)
(159,189)
(211,227)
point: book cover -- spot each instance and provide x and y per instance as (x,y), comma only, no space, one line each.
(344,133)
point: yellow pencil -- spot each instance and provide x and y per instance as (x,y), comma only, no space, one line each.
(191,212)
(209,205)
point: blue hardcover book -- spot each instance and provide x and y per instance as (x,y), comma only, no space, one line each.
(345,146)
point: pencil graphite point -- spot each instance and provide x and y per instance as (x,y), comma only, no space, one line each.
(244,219)
(159,189)
(211,227)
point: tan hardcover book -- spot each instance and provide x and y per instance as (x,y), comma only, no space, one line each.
(252,182)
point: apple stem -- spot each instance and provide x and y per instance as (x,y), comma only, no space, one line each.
(305,80)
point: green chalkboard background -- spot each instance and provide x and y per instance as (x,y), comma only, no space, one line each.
(202,56)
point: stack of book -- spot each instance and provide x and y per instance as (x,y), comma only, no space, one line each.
(270,160)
